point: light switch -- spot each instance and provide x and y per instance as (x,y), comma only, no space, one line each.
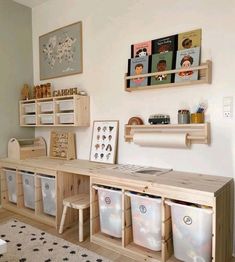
(228,107)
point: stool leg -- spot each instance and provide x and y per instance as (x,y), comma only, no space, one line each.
(63,219)
(80,225)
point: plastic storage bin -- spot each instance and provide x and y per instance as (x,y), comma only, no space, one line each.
(29,108)
(46,119)
(66,105)
(192,232)
(11,185)
(30,120)
(29,189)
(110,208)
(146,220)
(46,107)
(66,118)
(48,194)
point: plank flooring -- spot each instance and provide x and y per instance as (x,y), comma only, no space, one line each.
(70,234)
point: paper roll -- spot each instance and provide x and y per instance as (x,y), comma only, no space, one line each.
(175,140)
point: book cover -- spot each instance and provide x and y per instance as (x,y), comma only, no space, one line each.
(190,39)
(161,62)
(138,66)
(141,49)
(186,59)
(165,44)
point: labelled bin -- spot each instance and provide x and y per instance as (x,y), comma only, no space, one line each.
(11,185)
(146,220)
(110,208)
(29,189)
(192,232)
(48,194)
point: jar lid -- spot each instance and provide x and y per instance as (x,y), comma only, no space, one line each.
(183,111)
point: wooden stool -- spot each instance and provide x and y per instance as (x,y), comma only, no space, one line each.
(80,202)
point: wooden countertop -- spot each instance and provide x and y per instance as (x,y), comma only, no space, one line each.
(206,184)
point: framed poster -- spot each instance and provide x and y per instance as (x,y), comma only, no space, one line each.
(104,141)
(60,52)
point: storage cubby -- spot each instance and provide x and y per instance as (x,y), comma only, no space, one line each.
(72,110)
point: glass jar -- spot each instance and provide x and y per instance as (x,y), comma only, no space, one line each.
(183,116)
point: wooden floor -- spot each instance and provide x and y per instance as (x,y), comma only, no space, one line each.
(69,235)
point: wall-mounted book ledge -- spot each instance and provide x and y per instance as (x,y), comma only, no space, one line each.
(171,135)
(205,76)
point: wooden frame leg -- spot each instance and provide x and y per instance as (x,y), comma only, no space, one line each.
(63,219)
(80,228)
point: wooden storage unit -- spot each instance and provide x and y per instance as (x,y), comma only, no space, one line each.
(205,77)
(74,176)
(72,110)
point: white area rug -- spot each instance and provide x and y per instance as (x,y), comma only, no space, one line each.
(29,244)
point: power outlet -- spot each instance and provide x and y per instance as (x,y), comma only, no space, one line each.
(228,107)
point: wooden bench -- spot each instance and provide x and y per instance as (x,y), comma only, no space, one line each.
(80,202)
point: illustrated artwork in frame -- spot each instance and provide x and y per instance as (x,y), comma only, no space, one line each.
(60,52)
(104,141)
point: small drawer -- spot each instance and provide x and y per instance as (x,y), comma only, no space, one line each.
(29,120)
(66,105)
(29,108)
(66,119)
(46,119)
(46,107)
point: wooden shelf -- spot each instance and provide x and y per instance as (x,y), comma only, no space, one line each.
(196,133)
(205,77)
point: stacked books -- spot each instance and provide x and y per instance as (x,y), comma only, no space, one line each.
(181,51)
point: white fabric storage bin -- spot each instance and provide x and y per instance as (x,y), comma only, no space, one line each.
(66,119)
(146,220)
(110,208)
(29,108)
(29,189)
(11,184)
(66,105)
(192,232)
(46,107)
(48,194)
(30,120)
(46,119)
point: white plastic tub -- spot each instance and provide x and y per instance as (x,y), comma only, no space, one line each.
(146,220)
(29,189)
(110,208)
(46,119)
(29,108)
(66,105)
(66,118)
(48,194)
(46,107)
(30,120)
(192,232)
(11,184)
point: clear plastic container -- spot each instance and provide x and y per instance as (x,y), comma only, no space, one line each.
(146,220)
(29,108)
(66,118)
(48,194)
(66,105)
(192,232)
(11,185)
(29,189)
(110,207)
(46,107)
(46,119)
(30,119)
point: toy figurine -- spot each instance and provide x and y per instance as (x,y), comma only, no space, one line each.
(25,92)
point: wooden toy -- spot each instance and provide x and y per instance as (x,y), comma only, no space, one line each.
(25,92)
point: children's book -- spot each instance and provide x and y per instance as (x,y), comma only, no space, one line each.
(141,49)
(161,62)
(186,59)
(165,44)
(137,67)
(190,39)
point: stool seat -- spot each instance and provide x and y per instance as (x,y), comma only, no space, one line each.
(80,202)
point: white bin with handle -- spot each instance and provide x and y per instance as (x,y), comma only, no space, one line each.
(146,220)
(29,189)
(48,194)
(192,232)
(110,208)
(11,184)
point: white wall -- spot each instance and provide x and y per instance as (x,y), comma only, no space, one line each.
(109,29)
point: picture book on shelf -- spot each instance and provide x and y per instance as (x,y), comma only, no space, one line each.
(161,62)
(136,67)
(165,44)
(141,49)
(186,59)
(190,39)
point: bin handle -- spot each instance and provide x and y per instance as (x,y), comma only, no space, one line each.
(95,187)
(47,177)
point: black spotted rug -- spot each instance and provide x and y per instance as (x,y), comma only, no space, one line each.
(29,244)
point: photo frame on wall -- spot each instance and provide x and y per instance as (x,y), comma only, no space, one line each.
(60,52)
(104,141)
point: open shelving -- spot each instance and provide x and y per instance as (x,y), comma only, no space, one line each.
(205,77)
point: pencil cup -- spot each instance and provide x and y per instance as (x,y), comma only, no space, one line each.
(197,118)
